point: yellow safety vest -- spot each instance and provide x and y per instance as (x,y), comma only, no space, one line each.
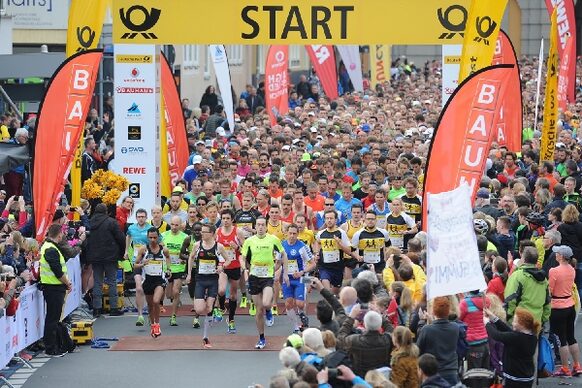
(46,274)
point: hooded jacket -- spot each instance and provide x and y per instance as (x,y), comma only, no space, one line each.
(527,287)
(435,381)
(106,242)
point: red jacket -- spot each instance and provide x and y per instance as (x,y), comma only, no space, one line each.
(472,316)
(121,215)
(496,287)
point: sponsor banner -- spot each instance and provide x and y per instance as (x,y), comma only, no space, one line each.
(451,60)
(510,123)
(73,299)
(563,75)
(483,24)
(380,62)
(323,60)
(137,107)
(220,61)
(550,124)
(60,125)
(5,342)
(350,55)
(277,82)
(37,15)
(453,265)
(566,21)
(292,22)
(464,132)
(30,316)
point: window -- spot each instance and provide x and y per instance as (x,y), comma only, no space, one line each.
(295,55)
(235,57)
(207,63)
(261,58)
(191,56)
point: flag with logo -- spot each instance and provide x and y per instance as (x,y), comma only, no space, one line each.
(566,20)
(564,76)
(59,127)
(550,124)
(510,123)
(277,82)
(464,132)
(323,61)
(483,24)
(380,59)
(220,61)
(350,55)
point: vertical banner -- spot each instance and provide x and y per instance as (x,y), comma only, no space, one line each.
(30,316)
(73,299)
(453,265)
(566,21)
(6,353)
(276,82)
(165,189)
(323,60)
(483,24)
(550,125)
(220,61)
(510,123)
(451,60)
(563,75)
(83,33)
(137,120)
(59,127)
(464,132)
(176,142)
(350,55)
(539,83)
(380,61)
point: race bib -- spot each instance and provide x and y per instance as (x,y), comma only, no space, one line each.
(175,259)
(371,257)
(260,271)
(331,256)
(207,267)
(381,222)
(229,253)
(292,267)
(154,268)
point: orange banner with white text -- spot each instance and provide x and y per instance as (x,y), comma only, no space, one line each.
(277,82)
(465,131)
(59,127)
(323,61)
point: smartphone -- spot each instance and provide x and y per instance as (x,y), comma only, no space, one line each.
(306,279)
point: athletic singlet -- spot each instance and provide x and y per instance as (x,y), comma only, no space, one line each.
(276,231)
(352,229)
(188,228)
(230,252)
(380,214)
(330,252)
(370,244)
(164,227)
(156,264)
(298,255)
(139,237)
(396,226)
(207,261)
(289,218)
(412,207)
(230,199)
(260,252)
(174,244)
(246,219)
(307,236)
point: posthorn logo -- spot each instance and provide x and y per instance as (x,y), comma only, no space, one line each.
(485,27)
(454,20)
(147,20)
(85,37)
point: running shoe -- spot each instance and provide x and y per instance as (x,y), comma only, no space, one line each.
(140,321)
(562,372)
(261,344)
(217,314)
(173,321)
(157,330)
(206,343)
(576,370)
(231,328)
(243,302)
(269,319)
(297,330)
(196,323)
(252,310)
(304,320)
(275,310)
(152,331)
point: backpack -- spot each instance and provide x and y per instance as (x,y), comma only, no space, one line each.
(462,344)
(545,358)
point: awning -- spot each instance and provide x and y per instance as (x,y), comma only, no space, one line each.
(41,65)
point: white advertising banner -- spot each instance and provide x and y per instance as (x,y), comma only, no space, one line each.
(5,342)
(220,61)
(73,299)
(452,259)
(350,55)
(451,66)
(38,14)
(137,130)
(30,317)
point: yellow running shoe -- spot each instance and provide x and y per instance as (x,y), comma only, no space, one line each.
(252,310)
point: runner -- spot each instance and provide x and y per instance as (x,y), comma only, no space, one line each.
(381,208)
(261,252)
(157,221)
(137,236)
(227,194)
(150,259)
(286,213)
(399,224)
(351,227)
(320,216)
(305,235)
(192,218)
(208,258)
(371,243)
(187,247)
(277,228)
(230,237)
(299,262)
(173,240)
(412,204)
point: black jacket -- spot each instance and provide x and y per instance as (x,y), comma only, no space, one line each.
(435,381)
(572,237)
(440,339)
(106,242)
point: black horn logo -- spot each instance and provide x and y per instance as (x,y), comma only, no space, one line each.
(452,27)
(485,27)
(150,18)
(85,37)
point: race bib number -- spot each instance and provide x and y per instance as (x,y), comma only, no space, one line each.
(260,271)
(292,267)
(331,256)
(154,268)
(207,267)
(229,253)
(381,222)
(371,257)
(175,259)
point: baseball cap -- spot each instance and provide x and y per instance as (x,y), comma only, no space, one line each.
(305,157)
(563,250)
(199,142)
(285,148)
(313,130)
(197,159)
(178,189)
(483,193)
(294,341)
(220,131)
(58,215)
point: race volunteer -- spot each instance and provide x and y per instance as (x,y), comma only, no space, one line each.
(208,256)
(173,240)
(371,242)
(261,252)
(152,259)
(399,224)
(231,238)
(330,243)
(299,262)
(137,236)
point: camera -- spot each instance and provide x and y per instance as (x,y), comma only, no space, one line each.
(333,373)
(306,279)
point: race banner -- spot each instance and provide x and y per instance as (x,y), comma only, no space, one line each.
(350,55)
(566,21)
(380,58)
(74,296)
(276,82)
(220,61)
(60,125)
(483,24)
(550,124)
(177,143)
(323,61)
(453,265)
(510,123)
(465,131)
(563,75)
(5,342)
(30,316)
(451,60)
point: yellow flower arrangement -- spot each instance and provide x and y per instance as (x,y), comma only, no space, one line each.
(105,185)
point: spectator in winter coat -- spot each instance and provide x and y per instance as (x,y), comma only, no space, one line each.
(496,285)
(428,372)
(471,313)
